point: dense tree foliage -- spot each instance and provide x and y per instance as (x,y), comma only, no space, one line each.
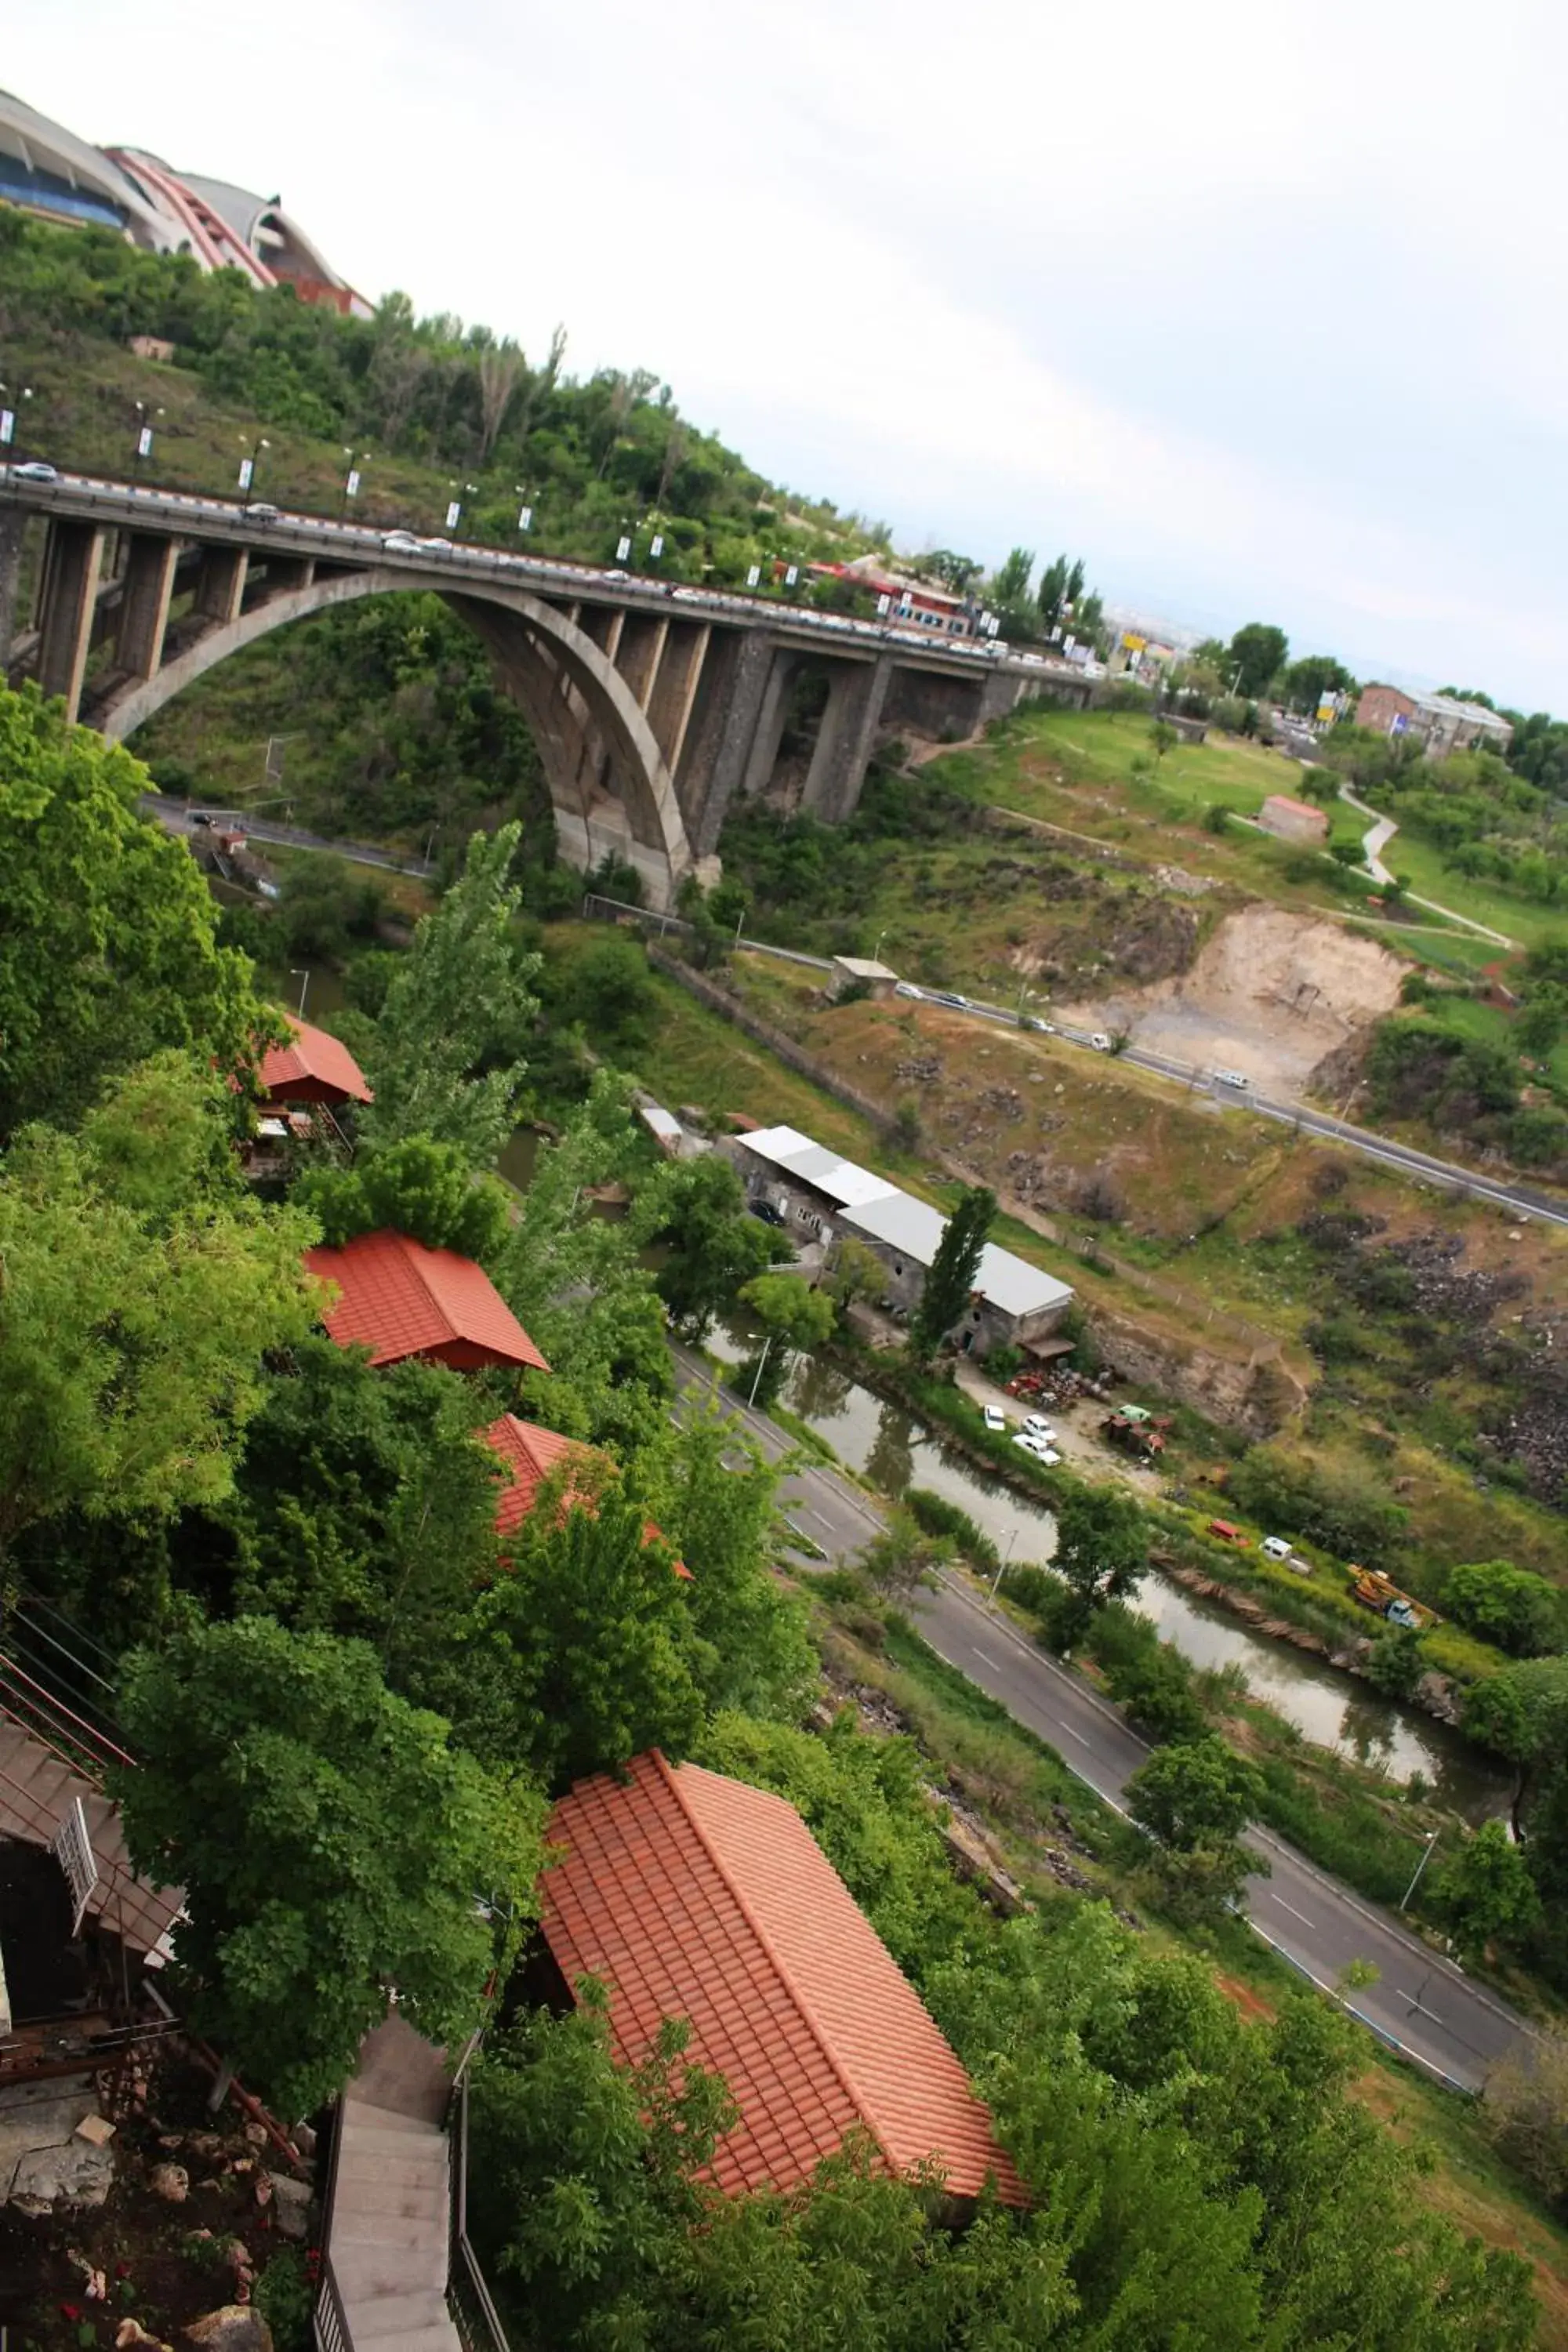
(107,929)
(1256,655)
(330,1842)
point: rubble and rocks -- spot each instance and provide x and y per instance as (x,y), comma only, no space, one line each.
(78,2175)
(170,2181)
(291,2206)
(920,1070)
(233,2327)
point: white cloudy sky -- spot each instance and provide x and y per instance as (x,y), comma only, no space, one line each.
(1260,308)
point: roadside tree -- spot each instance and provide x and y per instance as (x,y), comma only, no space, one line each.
(1487,1893)
(1256,655)
(1102,1551)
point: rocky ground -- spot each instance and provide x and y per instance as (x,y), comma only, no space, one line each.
(141,2221)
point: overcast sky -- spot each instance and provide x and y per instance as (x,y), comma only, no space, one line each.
(1259,309)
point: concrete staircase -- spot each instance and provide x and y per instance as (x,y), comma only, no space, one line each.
(389,2229)
(37,1789)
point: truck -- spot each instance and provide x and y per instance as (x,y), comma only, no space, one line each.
(1375,1591)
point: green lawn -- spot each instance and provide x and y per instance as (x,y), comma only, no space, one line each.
(1521,918)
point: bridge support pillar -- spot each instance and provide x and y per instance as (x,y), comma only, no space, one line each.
(220,583)
(845,738)
(768,733)
(673,695)
(71,571)
(13,527)
(144,597)
(730,688)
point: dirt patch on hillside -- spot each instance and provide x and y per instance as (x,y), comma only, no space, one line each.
(1270,994)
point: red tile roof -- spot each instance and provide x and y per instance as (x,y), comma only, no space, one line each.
(530,1454)
(315,1062)
(399,1298)
(1297,808)
(693,1896)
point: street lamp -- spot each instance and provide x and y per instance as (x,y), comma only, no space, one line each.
(304,980)
(525,512)
(454,504)
(1419,1868)
(250,466)
(351,479)
(1006,1563)
(144,437)
(8,417)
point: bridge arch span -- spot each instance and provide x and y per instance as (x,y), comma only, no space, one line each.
(610,785)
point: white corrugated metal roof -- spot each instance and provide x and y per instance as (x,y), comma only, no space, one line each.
(811,1163)
(1009,1283)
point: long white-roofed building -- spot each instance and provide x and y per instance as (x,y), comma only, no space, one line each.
(816,1195)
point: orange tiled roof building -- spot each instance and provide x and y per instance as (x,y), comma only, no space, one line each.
(399,1300)
(312,1068)
(694,1896)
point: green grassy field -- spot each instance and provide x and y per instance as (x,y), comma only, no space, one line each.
(1522,920)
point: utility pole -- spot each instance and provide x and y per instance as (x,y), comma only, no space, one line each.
(1419,1868)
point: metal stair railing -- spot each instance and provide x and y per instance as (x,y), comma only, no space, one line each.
(469,2298)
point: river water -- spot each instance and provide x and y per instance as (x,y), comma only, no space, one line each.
(894,1452)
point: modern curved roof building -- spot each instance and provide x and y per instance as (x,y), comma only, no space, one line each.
(47,170)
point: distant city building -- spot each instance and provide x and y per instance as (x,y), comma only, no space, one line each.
(47,169)
(908,599)
(1291,820)
(1435,721)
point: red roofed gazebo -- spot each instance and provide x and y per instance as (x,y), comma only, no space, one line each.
(398,1300)
(693,1896)
(312,1068)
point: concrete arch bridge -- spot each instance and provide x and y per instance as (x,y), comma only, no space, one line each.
(652,705)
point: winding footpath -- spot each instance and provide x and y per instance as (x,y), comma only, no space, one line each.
(1420,2004)
(1379,832)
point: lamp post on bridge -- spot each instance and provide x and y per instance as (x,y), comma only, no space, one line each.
(352,463)
(525,512)
(460,490)
(143,439)
(250,466)
(8,420)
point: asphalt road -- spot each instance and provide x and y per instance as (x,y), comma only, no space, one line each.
(179,817)
(1421,2003)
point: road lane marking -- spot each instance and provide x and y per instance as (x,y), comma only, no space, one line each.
(1293,1910)
(985,1659)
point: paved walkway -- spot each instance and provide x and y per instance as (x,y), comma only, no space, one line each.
(1376,840)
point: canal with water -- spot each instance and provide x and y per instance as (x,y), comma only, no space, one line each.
(894,1451)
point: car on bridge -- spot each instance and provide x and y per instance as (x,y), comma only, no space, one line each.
(34,469)
(400,542)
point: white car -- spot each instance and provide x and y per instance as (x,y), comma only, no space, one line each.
(1275,1548)
(34,469)
(401,543)
(1232,1079)
(436,546)
(1038,1426)
(993,1418)
(908,988)
(1100,1042)
(1035,1444)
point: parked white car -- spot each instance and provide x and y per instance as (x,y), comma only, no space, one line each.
(1038,1426)
(1276,1547)
(994,1417)
(1100,1042)
(1033,1444)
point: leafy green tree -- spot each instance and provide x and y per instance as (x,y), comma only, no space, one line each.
(448,1061)
(1314,677)
(580,1657)
(331,1844)
(1196,1798)
(1518,1610)
(1486,1893)
(1102,1548)
(1542,1019)
(1525,2110)
(324,906)
(131,1346)
(857,1273)
(1397,1661)
(414,1186)
(1010,581)
(1163,737)
(159,1141)
(950,1278)
(107,949)
(714,1496)
(792,1313)
(902,1558)
(1198,1793)
(697,1210)
(576,1282)
(364,1505)
(609,987)
(1256,655)
(1061,584)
